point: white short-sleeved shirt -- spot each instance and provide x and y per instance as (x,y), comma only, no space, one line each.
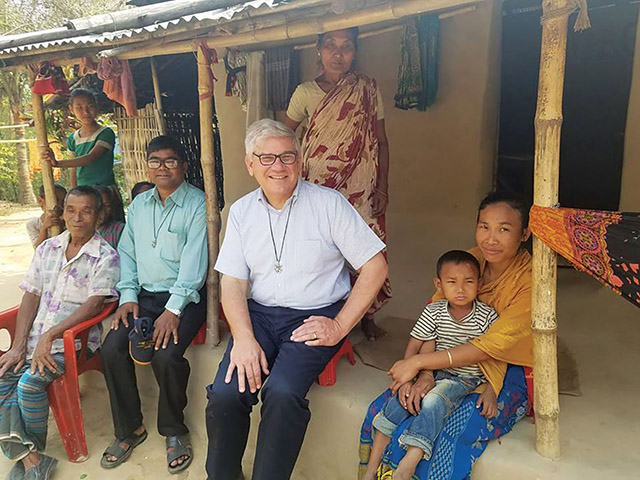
(324,234)
(64,285)
(308,95)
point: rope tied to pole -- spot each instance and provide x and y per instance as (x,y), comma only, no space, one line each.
(582,20)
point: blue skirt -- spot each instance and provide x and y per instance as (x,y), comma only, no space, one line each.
(463,439)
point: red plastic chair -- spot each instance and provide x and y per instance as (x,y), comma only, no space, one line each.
(64,393)
(329,376)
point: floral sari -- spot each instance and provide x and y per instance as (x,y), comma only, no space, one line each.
(340,151)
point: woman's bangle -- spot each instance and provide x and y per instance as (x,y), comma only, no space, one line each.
(450,359)
(382,192)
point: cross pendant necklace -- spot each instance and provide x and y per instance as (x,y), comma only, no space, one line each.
(154,242)
(278,265)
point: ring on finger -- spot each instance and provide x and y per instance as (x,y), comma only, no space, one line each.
(315,336)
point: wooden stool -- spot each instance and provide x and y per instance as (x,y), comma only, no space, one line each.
(328,377)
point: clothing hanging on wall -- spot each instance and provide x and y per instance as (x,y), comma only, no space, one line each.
(420,56)
(118,83)
(281,76)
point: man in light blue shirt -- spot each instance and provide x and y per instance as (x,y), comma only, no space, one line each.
(164,258)
(289,243)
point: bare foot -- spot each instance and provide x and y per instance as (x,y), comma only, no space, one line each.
(372,331)
(369,475)
(402,475)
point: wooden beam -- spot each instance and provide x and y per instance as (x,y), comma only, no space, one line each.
(158,96)
(302,28)
(391,28)
(548,123)
(207,160)
(43,144)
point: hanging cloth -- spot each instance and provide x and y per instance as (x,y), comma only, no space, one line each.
(606,245)
(281,76)
(420,56)
(118,83)
(50,80)
(235,63)
(256,88)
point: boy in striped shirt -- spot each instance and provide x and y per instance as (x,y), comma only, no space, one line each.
(443,324)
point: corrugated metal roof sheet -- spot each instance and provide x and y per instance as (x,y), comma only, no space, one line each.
(209,18)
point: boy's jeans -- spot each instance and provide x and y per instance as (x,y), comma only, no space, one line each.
(437,405)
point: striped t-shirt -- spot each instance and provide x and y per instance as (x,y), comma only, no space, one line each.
(436,323)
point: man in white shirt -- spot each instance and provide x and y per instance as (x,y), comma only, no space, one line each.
(288,243)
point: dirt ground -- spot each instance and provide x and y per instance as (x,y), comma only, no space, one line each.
(599,430)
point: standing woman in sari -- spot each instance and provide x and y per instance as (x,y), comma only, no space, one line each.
(345,146)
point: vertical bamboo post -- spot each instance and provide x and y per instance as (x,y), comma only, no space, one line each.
(158,96)
(548,123)
(43,143)
(205,92)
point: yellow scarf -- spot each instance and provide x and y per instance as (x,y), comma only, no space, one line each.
(509,339)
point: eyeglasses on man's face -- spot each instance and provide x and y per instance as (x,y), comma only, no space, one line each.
(171,163)
(268,159)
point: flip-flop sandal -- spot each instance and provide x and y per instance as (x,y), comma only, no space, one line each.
(43,470)
(17,472)
(181,446)
(121,454)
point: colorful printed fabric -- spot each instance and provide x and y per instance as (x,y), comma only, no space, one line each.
(463,439)
(606,245)
(65,285)
(340,151)
(418,71)
(111,233)
(24,409)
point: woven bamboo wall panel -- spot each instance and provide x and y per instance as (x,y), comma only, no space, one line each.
(134,134)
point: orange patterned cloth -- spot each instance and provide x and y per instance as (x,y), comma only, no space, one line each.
(606,245)
(340,151)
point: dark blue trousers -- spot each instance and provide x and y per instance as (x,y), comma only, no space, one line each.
(285,409)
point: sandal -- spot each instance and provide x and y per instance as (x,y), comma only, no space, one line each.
(121,454)
(181,446)
(42,470)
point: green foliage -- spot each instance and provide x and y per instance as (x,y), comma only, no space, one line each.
(8,169)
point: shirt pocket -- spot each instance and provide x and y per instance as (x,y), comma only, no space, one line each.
(75,295)
(310,256)
(171,246)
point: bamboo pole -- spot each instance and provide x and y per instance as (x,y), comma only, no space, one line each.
(548,123)
(207,160)
(43,144)
(159,111)
(388,11)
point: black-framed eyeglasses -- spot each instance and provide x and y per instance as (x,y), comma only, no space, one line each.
(268,159)
(170,163)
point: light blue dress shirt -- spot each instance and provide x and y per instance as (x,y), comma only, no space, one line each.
(324,235)
(178,262)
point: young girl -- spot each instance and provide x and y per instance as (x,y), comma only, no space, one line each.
(91,145)
(112,223)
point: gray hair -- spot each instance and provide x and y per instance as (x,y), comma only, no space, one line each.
(86,191)
(261,130)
